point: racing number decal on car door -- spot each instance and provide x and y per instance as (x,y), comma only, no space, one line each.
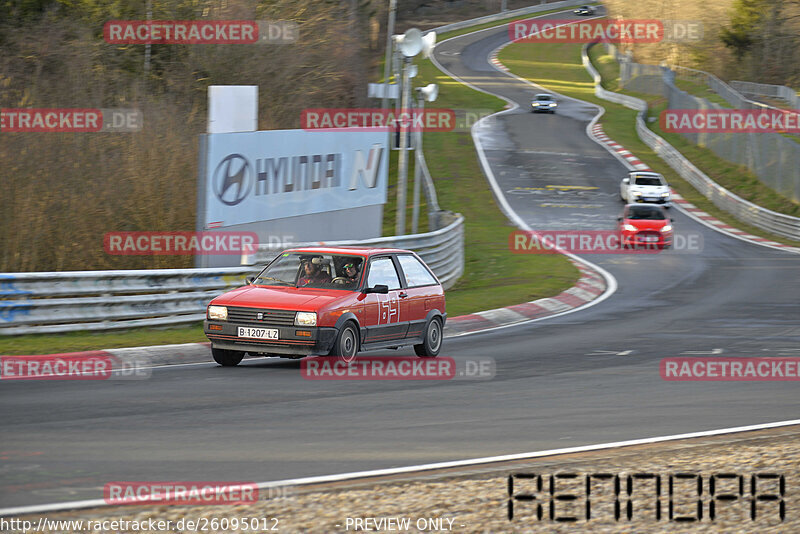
(389,311)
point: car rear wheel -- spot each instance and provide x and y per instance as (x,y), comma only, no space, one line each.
(346,346)
(432,344)
(227,358)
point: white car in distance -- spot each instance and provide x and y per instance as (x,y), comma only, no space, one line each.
(647,187)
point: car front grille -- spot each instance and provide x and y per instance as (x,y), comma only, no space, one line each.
(269,317)
(643,234)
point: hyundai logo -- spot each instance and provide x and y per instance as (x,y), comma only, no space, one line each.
(260,316)
(232,179)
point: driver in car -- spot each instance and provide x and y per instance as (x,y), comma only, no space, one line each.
(313,274)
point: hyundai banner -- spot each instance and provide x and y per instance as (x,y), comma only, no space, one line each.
(268,175)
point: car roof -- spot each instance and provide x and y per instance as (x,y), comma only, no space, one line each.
(544,94)
(645,173)
(361,251)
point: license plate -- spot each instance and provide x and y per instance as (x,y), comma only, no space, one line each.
(651,238)
(258,333)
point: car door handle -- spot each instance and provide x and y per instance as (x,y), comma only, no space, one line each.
(403,295)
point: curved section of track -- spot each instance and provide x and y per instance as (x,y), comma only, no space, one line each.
(584,378)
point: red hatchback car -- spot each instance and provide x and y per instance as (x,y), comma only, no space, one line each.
(330,301)
(645,226)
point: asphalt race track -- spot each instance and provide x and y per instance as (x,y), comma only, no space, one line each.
(583,378)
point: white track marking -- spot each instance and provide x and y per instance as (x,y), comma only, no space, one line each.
(97,503)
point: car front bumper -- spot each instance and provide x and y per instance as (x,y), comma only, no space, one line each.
(652,200)
(289,343)
(641,242)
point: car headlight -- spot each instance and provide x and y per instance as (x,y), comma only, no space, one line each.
(630,228)
(637,193)
(218,313)
(664,195)
(667,228)
(305,319)
(553,104)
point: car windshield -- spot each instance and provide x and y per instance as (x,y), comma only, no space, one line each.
(543,97)
(309,269)
(648,180)
(646,212)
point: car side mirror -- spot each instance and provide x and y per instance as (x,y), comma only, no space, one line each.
(672,220)
(626,180)
(249,280)
(379,288)
(619,219)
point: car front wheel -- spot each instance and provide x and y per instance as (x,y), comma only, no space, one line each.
(227,358)
(346,346)
(430,347)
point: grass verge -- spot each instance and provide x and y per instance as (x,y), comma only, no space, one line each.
(558,67)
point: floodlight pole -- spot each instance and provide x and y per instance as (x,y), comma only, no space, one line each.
(397,60)
(387,65)
(402,165)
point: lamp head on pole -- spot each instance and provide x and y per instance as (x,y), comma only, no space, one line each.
(430,92)
(410,43)
(428,44)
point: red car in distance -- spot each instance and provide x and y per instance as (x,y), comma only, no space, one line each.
(645,226)
(330,301)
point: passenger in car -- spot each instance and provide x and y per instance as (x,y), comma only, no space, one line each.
(352,273)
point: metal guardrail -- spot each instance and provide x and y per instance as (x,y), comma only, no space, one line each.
(600,92)
(779,92)
(777,223)
(38,303)
(52,302)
